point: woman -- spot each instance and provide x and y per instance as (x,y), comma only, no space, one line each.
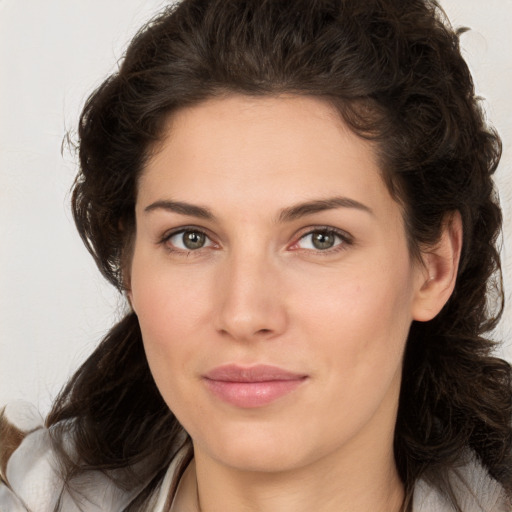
(296,198)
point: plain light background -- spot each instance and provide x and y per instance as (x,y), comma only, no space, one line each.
(54,305)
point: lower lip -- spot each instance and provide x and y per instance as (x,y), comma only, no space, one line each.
(252,394)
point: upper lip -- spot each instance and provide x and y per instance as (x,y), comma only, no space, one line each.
(256,373)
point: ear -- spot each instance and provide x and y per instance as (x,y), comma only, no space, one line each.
(126,262)
(129,297)
(127,289)
(439,271)
(126,283)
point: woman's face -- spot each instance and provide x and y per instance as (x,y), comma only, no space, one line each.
(273,284)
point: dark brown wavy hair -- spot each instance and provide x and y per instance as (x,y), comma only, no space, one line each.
(394,72)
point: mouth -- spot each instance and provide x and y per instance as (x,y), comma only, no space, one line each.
(251,387)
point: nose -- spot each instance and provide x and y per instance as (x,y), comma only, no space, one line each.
(250,301)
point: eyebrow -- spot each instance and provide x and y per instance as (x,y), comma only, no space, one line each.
(286,215)
(310,207)
(181,208)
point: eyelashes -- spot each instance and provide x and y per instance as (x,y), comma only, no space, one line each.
(323,239)
(188,240)
(315,239)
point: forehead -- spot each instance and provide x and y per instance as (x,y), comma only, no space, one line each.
(270,149)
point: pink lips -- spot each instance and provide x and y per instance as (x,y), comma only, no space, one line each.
(253,386)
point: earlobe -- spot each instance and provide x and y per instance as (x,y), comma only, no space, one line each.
(129,297)
(127,288)
(439,273)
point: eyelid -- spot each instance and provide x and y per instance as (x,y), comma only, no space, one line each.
(164,239)
(346,238)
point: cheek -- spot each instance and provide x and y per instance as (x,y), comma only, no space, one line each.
(363,328)
(359,299)
(167,300)
(170,307)
(362,319)
(166,321)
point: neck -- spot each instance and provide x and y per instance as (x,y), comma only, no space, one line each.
(357,475)
(362,485)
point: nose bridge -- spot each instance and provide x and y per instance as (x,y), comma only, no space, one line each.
(250,303)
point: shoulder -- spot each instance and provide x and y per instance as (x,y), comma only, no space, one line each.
(30,475)
(473,488)
(25,468)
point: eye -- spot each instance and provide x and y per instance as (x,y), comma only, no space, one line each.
(188,240)
(322,240)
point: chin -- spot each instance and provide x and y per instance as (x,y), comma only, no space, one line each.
(258,459)
(259,447)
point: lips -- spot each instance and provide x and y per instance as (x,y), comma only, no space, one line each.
(251,387)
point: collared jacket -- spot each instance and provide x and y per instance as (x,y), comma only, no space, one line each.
(30,480)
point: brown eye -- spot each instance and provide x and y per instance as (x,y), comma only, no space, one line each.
(323,240)
(193,240)
(189,240)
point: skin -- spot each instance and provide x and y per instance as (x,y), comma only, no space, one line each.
(260,292)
